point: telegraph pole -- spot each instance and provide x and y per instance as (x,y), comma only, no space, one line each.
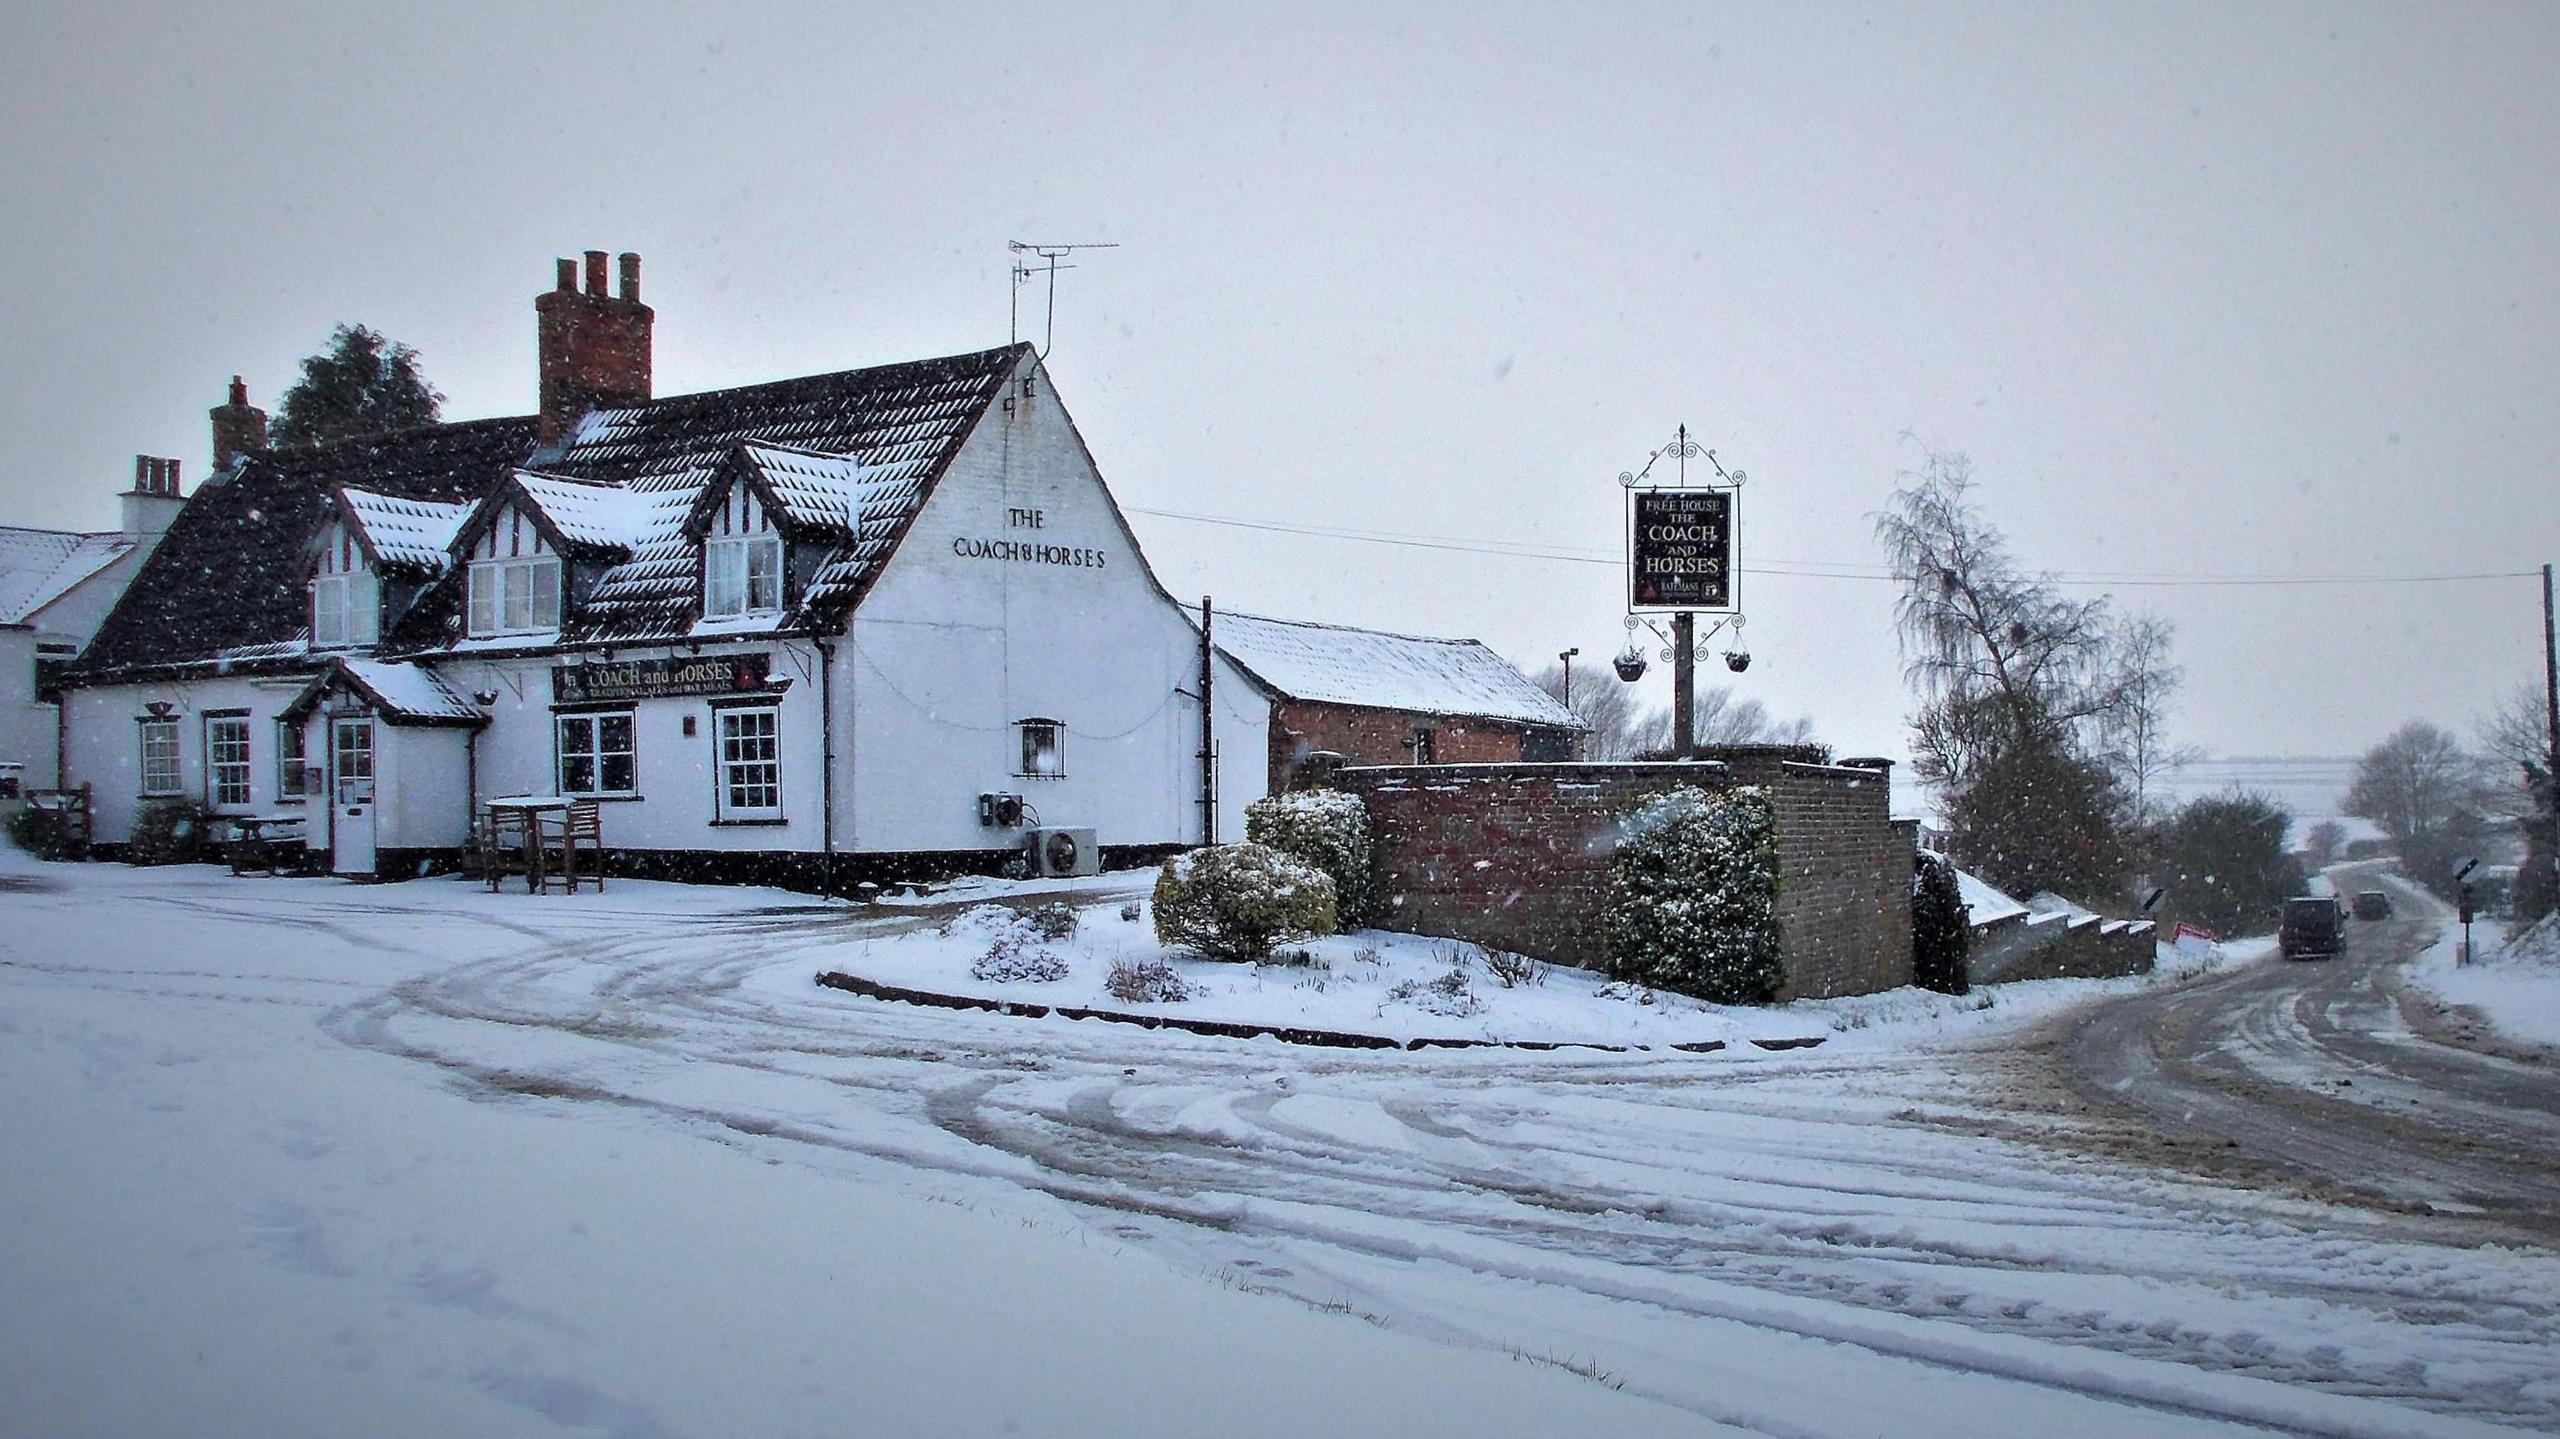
(2551,732)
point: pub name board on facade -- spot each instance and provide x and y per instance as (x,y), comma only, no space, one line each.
(660,679)
(1680,549)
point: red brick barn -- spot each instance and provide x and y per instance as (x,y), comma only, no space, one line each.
(1378,699)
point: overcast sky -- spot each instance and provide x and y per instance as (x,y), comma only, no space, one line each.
(2209,292)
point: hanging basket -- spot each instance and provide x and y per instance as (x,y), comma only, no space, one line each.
(1629,664)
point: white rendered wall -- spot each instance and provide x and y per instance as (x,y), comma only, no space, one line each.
(675,806)
(103,745)
(953,646)
(27,728)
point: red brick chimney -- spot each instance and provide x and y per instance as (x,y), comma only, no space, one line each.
(594,346)
(239,428)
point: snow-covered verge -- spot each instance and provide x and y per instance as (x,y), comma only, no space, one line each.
(2514,982)
(1406,987)
(224,1220)
(299,1157)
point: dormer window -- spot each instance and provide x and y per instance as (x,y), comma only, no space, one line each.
(741,576)
(346,610)
(515,596)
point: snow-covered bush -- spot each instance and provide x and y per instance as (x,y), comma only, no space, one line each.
(44,833)
(1237,901)
(1693,896)
(1940,934)
(1327,829)
(1013,957)
(1054,920)
(1451,992)
(171,831)
(1150,981)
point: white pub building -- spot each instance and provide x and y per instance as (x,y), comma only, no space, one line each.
(794,632)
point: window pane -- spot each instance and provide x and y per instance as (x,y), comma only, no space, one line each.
(362,598)
(484,599)
(328,614)
(764,574)
(544,576)
(618,776)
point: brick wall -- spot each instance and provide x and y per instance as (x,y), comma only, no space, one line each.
(1383,737)
(1516,856)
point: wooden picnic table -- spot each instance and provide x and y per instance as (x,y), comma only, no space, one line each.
(269,844)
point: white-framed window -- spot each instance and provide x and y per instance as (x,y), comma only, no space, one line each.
(1044,749)
(159,756)
(346,610)
(226,759)
(749,754)
(741,575)
(520,596)
(596,754)
(292,781)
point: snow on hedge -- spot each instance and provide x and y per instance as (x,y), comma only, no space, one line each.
(1240,901)
(1693,896)
(1327,829)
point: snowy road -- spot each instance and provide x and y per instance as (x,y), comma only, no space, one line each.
(1866,1238)
(2331,1070)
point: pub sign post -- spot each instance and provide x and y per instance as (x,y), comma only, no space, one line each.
(1680,561)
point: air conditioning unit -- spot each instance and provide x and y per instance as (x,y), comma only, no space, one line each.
(1058,853)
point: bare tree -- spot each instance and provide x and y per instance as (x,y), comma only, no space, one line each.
(1617,722)
(2135,730)
(2515,738)
(2426,791)
(1998,649)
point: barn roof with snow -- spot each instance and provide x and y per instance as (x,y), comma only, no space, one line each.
(845,460)
(1372,669)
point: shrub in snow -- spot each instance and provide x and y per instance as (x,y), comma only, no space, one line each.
(1149,981)
(43,833)
(171,831)
(1451,992)
(1940,934)
(1051,921)
(1013,957)
(1131,911)
(1327,829)
(1237,901)
(1514,971)
(1693,896)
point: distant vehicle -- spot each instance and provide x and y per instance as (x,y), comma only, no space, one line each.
(2313,928)
(2372,904)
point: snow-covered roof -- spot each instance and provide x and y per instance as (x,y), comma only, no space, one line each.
(592,515)
(1415,674)
(400,692)
(818,491)
(38,566)
(1984,903)
(404,533)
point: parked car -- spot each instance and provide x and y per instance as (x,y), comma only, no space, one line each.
(2313,928)
(2372,904)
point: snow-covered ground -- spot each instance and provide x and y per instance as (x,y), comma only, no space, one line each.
(2512,981)
(290,1156)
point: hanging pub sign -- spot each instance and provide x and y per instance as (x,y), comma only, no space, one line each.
(1680,549)
(659,679)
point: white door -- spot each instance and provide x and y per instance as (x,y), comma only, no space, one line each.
(351,796)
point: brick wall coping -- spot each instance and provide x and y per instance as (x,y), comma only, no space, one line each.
(1546,767)
(1866,771)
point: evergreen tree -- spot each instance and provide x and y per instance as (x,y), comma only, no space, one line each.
(2225,866)
(362,384)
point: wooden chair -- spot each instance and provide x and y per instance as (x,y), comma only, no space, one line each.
(564,839)
(506,847)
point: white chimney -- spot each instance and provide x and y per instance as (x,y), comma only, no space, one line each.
(154,500)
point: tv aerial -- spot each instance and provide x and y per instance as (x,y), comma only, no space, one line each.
(1047,257)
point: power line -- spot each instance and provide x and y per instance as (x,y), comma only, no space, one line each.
(1810,569)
